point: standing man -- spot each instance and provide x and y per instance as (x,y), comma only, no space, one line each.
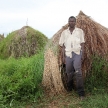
(72,43)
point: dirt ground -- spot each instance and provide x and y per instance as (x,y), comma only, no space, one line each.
(68,100)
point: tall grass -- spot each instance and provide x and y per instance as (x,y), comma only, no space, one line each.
(96,101)
(20,80)
(97,79)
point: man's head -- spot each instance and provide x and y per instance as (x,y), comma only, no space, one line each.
(72,21)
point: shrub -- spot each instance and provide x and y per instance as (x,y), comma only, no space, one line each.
(21,79)
(98,77)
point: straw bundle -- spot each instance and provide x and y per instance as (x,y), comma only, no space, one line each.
(96,40)
(52,76)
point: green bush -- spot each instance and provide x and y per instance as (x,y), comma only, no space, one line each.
(98,76)
(18,45)
(4,45)
(20,80)
(96,101)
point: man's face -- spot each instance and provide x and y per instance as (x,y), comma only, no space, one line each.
(71,22)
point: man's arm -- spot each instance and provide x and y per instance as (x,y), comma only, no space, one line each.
(63,53)
(82,49)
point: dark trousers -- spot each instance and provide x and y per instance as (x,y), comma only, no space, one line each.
(73,68)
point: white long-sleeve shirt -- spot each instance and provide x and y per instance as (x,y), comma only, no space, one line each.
(72,42)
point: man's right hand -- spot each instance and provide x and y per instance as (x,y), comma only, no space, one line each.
(64,62)
(63,52)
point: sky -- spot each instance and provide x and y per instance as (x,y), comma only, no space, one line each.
(48,16)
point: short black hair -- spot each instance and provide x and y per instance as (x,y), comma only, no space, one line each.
(72,17)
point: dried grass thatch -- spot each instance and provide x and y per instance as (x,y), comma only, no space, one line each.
(52,76)
(96,37)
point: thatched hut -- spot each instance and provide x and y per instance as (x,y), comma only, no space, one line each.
(96,39)
(23,42)
(96,43)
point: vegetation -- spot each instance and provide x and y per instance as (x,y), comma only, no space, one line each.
(20,80)
(97,78)
(24,42)
(4,45)
(96,87)
(20,85)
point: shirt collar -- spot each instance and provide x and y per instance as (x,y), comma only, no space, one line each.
(73,30)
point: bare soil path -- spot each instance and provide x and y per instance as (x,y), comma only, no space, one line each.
(69,100)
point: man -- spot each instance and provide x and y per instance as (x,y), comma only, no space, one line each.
(72,43)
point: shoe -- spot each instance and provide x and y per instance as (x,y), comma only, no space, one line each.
(82,98)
